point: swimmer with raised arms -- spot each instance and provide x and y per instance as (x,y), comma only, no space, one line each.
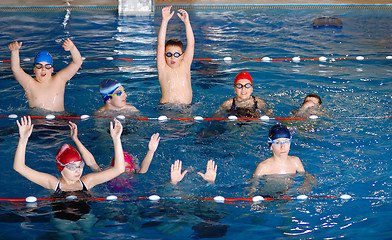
(173,63)
(45,91)
(69,163)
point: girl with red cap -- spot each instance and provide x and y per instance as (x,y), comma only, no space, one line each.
(244,105)
(69,163)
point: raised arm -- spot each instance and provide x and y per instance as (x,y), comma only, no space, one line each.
(86,154)
(190,39)
(21,76)
(152,147)
(175,173)
(68,72)
(43,179)
(92,179)
(166,16)
(210,174)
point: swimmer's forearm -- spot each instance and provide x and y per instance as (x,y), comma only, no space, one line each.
(146,161)
(15,60)
(86,155)
(119,163)
(162,33)
(76,56)
(19,160)
(190,38)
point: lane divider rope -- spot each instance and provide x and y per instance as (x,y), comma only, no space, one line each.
(164,118)
(218,199)
(229,59)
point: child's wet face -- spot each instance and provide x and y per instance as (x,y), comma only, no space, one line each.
(118,101)
(72,175)
(172,61)
(280,150)
(313,100)
(243,93)
(43,72)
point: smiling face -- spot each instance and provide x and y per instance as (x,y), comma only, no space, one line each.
(281,150)
(172,61)
(243,93)
(118,102)
(43,73)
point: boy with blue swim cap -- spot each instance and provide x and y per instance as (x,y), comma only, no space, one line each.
(46,90)
(114,97)
(43,56)
(279,140)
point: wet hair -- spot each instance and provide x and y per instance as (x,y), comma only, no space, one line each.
(278,131)
(175,42)
(314,96)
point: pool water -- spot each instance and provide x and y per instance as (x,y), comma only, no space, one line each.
(347,150)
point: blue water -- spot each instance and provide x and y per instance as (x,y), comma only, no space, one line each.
(347,150)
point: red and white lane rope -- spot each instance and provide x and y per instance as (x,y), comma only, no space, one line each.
(229,59)
(164,118)
(218,199)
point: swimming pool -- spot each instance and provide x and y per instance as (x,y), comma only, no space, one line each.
(347,150)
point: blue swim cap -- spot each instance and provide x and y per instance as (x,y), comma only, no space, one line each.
(108,86)
(43,56)
(278,131)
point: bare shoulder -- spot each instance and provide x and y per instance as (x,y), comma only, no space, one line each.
(100,110)
(227,103)
(262,168)
(295,159)
(131,108)
(298,163)
(260,102)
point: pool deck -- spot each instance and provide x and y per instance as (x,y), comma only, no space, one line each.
(197,3)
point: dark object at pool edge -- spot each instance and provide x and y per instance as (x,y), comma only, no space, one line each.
(327,22)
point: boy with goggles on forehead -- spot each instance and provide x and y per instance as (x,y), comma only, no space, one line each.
(279,139)
(173,63)
(45,91)
(114,97)
(69,163)
(244,105)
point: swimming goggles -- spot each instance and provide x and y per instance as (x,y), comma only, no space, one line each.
(277,142)
(72,166)
(176,54)
(240,86)
(39,65)
(119,93)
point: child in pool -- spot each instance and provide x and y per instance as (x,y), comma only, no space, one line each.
(244,104)
(173,63)
(45,91)
(176,175)
(114,97)
(69,163)
(279,139)
(311,105)
(128,161)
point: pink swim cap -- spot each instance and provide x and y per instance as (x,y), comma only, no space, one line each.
(66,155)
(243,75)
(128,159)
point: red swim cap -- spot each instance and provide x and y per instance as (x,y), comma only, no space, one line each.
(65,155)
(243,75)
